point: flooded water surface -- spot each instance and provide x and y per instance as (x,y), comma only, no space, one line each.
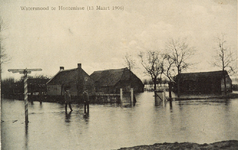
(111,126)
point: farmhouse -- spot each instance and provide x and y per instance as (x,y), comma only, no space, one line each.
(110,81)
(75,79)
(203,82)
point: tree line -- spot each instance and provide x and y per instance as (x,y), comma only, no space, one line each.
(11,88)
(174,59)
(157,64)
(167,62)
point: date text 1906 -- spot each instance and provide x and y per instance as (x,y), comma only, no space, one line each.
(117,7)
(105,8)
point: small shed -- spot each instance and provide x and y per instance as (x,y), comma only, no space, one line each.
(203,82)
(110,81)
(76,79)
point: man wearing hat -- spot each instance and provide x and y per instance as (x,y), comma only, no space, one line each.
(67,98)
(86,101)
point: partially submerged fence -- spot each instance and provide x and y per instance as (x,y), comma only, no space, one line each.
(124,97)
(160,97)
(106,98)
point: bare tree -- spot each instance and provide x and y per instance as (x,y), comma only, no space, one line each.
(152,61)
(129,61)
(3,56)
(224,58)
(179,52)
(169,66)
(169,71)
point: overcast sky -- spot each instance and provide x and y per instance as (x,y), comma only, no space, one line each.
(99,39)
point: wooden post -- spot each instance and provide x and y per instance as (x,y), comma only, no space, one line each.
(88,107)
(121,94)
(132,97)
(170,104)
(25,72)
(170,89)
(163,99)
(85,108)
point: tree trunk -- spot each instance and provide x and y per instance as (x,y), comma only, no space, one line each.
(170,90)
(178,88)
(224,78)
(178,80)
(154,80)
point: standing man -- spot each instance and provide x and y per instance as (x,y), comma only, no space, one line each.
(67,98)
(86,101)
(41,96)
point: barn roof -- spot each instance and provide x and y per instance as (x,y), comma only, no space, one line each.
(68,76)
(195,75)
(64,76)
(108,77)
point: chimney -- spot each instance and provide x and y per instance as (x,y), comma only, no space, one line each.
(79,65)
(61,68)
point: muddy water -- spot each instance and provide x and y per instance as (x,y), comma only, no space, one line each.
(111,126)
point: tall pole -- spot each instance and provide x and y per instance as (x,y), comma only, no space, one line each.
(26,96)
(25,72)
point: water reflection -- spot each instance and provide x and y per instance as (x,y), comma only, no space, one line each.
(160,102)
(67,116)
(86,118)
(227,101)
(113,126)
(26,136)
(171,105)
(41,106)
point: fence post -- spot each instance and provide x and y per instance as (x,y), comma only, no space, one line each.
(121,94)
(132,97)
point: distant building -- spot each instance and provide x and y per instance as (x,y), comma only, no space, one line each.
(235,84)
(75,79)
(110,81)
(203,82)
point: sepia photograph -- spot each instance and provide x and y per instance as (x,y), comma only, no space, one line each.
(118,74)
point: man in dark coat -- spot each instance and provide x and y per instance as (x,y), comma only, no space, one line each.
(86,101)
(67,98)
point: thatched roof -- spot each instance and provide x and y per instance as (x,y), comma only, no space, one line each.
(196,75)
(64,76)
(109,77)
(67,76)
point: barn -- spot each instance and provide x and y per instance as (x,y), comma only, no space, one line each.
(76,79)
(110,81)
(203,82)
